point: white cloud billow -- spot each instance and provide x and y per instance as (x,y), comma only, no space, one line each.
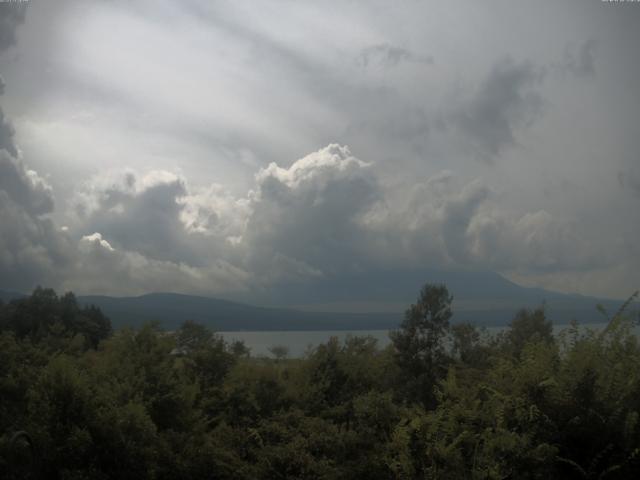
(96,239)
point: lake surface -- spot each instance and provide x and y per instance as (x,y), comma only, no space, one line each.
(298,342)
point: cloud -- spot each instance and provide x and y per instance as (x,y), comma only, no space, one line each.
(630,179)
(532,242)
(268,84)
(306,218)
(215,212)
(32,249)
(387,55)
(152,233)
(12,14)
(100,268)
(7,131)
(581,62)
(383,114)
(457,214)
(443,222)
(140,214)
(24,187)
(505,101)
(326,214)
(96,239)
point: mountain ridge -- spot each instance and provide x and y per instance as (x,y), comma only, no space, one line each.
(482,298)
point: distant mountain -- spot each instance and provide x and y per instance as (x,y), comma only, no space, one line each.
(171,310)
(7,296)
(485,298)
(367,301)
(402,286)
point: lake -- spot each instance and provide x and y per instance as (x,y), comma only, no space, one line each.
(298,342)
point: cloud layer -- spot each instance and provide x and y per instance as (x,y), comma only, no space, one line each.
(325,215)
(186,153)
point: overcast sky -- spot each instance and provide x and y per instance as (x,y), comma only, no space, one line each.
(215,147)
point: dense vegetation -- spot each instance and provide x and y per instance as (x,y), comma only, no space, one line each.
(442,401)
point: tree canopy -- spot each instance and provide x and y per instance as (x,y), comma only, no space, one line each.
(79,401)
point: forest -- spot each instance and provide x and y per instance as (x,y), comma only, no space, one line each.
(444,400)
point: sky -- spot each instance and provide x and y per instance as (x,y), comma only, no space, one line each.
(221,147)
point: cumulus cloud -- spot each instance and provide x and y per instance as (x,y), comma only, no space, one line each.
(130,235)
(326,214)
(32,249)
(425,224)
(152,233)
(444,222)
(330,214)
(505,101)
(215,212)
(100,268)
(308,216)
(24,187)
(7,133)
(139,214)
(533,242)
(96,239)
(297,222)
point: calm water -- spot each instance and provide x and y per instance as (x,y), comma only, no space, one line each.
(298,342)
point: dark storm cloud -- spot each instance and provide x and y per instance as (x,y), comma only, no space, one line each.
(506,100)
(137,214)
(12,14)
(32,250)
(24,187)
(277,83)
(7,133)
(101,268)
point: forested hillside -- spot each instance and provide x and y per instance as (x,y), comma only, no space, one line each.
(80,401)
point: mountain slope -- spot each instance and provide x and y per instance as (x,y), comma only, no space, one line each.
(375,300)
(7,296)
(171,309)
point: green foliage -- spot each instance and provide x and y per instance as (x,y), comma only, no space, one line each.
(528,326)
(45,317)
(78,402)
(419,343)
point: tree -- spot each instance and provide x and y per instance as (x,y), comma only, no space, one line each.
(206,353)
(529,326)
(280,352)
(466,344)
(46,317)
(419,343)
